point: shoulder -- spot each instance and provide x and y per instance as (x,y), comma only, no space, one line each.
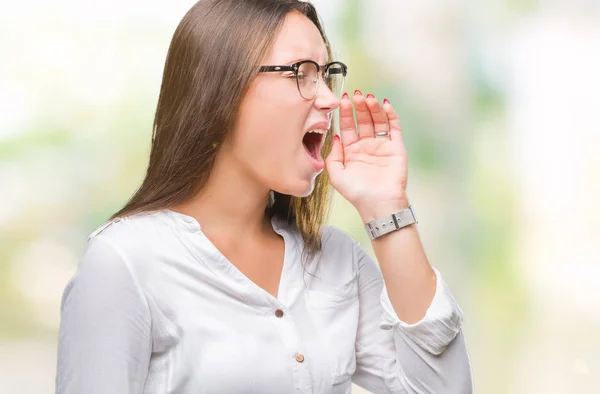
(334,238)
(338,257)
(339,246)
(138,239)
(139,225)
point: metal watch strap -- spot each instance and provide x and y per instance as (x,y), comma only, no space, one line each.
(397,220)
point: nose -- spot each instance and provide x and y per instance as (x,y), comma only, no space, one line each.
(325,100)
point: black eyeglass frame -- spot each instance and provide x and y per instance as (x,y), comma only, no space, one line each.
(296,66)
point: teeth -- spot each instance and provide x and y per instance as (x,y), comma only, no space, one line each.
(318,131)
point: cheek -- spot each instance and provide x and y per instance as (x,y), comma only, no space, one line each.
(268,136)
(271,123)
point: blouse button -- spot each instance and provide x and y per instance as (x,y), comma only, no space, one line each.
(299,358)
(279,313)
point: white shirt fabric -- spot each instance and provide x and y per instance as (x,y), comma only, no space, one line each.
(154,307)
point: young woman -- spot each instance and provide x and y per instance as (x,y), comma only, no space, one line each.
(219,276)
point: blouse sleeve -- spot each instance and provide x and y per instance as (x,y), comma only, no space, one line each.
(104,339)
(429,356)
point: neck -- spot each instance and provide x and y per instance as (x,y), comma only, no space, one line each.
(232,202)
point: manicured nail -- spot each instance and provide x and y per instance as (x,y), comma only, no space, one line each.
(357,92)
(336,137)
(386,101)
(370,96)
(345,95)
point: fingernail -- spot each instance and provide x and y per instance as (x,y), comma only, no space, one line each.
(345,95)
(370,96)
(386,101)
(357,92)
(336,137)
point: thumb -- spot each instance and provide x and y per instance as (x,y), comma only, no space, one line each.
(335,160)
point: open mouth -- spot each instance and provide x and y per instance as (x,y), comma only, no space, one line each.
(312,143)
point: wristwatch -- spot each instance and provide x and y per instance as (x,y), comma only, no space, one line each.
(397,220)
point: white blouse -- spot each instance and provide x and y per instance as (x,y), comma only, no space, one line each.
(154,307)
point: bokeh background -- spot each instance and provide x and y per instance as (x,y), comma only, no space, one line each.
(499,101)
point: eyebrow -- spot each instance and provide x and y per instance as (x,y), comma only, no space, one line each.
(306,58)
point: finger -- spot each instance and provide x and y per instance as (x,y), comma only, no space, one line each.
(347,127)
(335,160)
(363,116)
(379,116)
(395,127)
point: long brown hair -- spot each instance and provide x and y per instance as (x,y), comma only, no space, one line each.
(214,55)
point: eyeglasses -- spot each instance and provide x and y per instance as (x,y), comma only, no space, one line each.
(306,73)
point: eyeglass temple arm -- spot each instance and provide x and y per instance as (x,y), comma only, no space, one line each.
(275,68)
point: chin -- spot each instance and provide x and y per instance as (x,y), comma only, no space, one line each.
(303,188)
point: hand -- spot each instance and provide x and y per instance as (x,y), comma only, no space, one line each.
(370,172)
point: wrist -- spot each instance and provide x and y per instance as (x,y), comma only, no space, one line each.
(378,210)
(391,222)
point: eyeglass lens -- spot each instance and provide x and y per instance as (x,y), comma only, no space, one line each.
(308,79)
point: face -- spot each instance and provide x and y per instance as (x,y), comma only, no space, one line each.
(269,140)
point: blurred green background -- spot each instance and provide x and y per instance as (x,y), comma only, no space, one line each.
(498,101)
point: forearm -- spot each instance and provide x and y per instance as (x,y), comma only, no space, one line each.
(409,279)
